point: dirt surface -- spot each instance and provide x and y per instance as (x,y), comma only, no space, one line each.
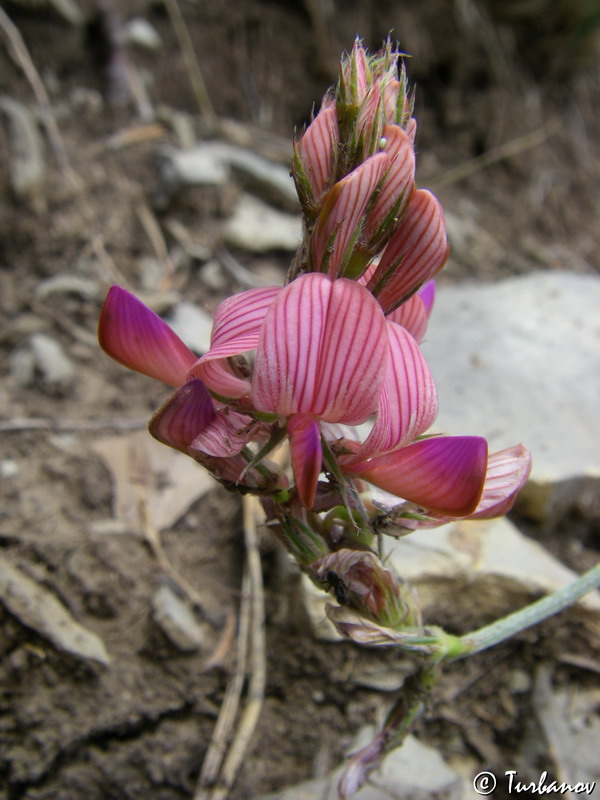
(70,728)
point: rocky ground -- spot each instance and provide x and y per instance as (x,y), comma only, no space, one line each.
(121,565)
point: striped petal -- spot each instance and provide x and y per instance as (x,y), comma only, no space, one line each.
(317,149)
(226,435)
(415,253)
(306,455)
(237,324)
(427,295)
(322,350)
(398,184)
(442,474)
(342,215)
(507,473)
(135,336)
(181,418)
(412,315)
(408,400)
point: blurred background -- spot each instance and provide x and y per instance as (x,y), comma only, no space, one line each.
(147,143)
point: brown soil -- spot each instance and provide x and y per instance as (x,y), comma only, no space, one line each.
(140,727)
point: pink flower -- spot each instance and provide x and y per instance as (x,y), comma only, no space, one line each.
(136,337)
(326,356)
(321,352)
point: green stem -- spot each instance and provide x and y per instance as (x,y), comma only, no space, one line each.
(527,617)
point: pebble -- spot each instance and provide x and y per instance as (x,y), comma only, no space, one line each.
(56,367)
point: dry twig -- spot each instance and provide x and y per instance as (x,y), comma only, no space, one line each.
(507,150)
(191,62)
(251,656)
(23,58)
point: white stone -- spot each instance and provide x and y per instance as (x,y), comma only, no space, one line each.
(485,559)
(258,228)
(141,33)
(56,367)
(193,325)
(519,361)
(177,620)
(413,772)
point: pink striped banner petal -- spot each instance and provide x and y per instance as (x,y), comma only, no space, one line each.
(416,252)
(408,400)
(398,183)
(343,212)
(317,149)
(181,418)
(135,336)
(322,350)
(442,474)
(306,455)
(235,331)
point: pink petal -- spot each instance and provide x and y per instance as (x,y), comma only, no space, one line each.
(306,455)
(412,315)
(507,473)
(411,129)
(226,435)
(317,149)
(398,183)
(322,351)
(442,474)
(408,400)
(342,215)
(237,324)
(135,336)
(416,252)
(181,418)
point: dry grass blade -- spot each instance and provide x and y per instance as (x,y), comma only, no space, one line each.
(191,62)
(22,56)
(507,150)
(251,645)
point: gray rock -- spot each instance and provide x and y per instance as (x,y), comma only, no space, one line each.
(56,367)
(176,620)
(413,772)
(258,228)
(212,163)
(519,361)
(39,609)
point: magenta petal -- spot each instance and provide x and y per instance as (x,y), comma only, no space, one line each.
(323,349)
(507,473)
(408,400)
(415,253)
(306,455)
(427,295)
(181,418)
(135,336)
(442,474)
(237,324)
(412,315)
(226,435)
(343,212)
